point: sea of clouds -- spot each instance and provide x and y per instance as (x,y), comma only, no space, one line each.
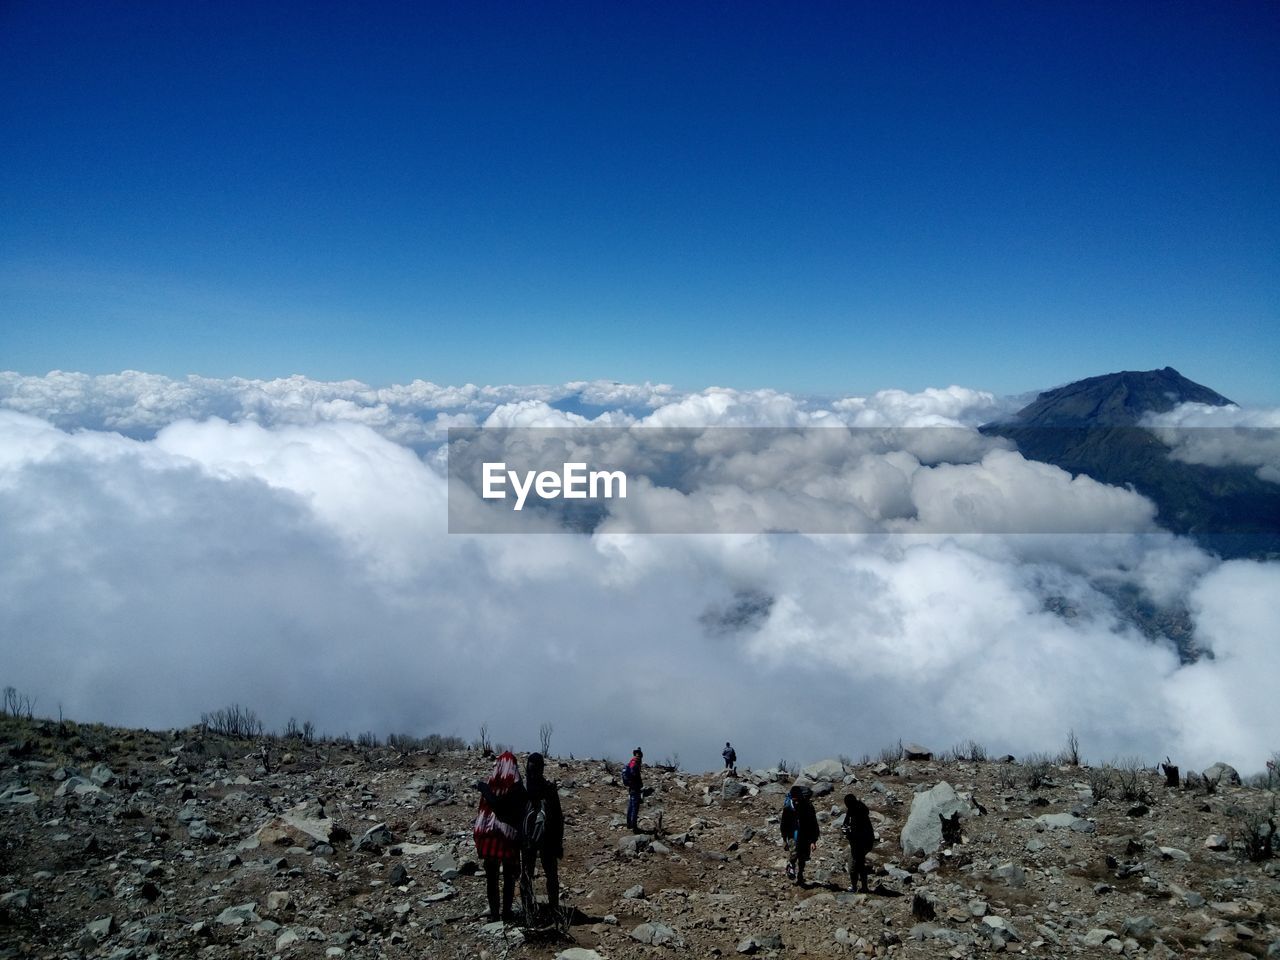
(172,546)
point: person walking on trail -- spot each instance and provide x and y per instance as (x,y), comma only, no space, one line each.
(861,835)
(799,832)
(730,757)
(497,832)
(633,780)
(543,836)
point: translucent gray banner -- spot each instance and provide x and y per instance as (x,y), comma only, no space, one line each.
(827,480)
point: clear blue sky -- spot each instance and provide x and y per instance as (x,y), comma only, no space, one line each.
(815,197)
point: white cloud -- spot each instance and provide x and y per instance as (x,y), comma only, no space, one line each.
(1218,436)
(298,562)
(1235,615)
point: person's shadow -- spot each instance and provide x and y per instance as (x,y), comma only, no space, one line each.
(551,925)
(879,890)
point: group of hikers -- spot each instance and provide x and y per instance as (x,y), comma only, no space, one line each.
(799,826)
(520,825)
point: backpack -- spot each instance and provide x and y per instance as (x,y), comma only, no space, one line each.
(535,823)
(627,773)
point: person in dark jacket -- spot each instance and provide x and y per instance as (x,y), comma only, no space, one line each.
(633,776)
(861,835)
(799,832)
(730,757)
(543,835)
(497,831)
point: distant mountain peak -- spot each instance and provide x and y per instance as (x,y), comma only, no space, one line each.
(1115,399)
(1092,427)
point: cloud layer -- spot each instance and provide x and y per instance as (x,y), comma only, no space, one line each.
(284,545)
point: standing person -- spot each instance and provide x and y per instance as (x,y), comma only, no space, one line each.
(543,836)
(861,835)
(799,832)
(730,757)
(633,780)
(497,831)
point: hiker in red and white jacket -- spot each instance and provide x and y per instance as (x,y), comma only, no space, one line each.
(633,780)
(497,831)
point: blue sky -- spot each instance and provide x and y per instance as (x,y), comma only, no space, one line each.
(819,197)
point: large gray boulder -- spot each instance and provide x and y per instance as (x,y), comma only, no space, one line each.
(824,770)
(304,825)
(923,831)
(1222,772)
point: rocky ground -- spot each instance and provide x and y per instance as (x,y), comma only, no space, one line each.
(133,844)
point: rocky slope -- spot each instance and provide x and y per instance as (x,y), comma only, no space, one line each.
(132,844)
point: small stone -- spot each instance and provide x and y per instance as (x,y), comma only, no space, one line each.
(1139,927)
(240,914)
(17,900)
(1219,935)
(374,839)
(1065,821)
(657,934)
(1010,874)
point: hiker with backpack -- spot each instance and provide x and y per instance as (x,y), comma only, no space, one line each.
(730,757)
(633,780)
(861,835)
(799,832)
(543,836)
(497,831)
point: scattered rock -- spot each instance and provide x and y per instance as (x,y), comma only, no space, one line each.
(1064,821)
(374,839)
(239,915)
(824,770)
(16,900)
(633,844)
(657,934)
(1010,874)
(18,795)
(76,786)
